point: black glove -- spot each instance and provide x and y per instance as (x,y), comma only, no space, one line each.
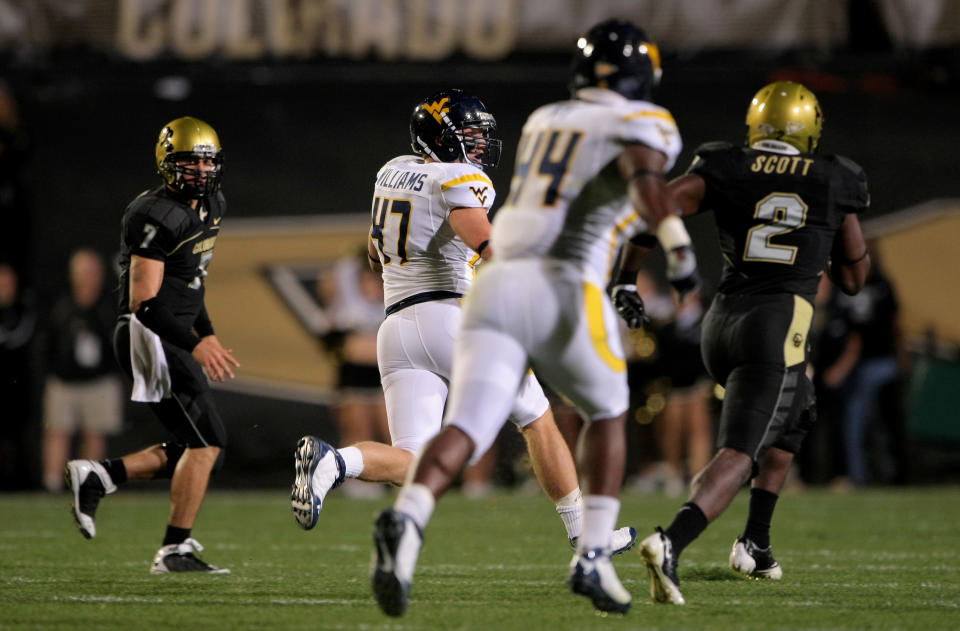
(682,270)
(629,305)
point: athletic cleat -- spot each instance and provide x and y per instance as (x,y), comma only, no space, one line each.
(592,575)
(657,553)
(89,482)
(397,540)
(749,559)
(319,468)
(179,557)
(621,540)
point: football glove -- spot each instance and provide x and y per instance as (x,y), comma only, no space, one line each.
(629,305)
(682,270)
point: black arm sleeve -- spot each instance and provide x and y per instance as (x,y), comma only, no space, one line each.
(202,325)
(157,317)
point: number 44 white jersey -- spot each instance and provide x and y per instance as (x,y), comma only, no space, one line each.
(418,248)
(567,198)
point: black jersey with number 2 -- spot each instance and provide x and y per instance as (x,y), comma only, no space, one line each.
(777,214)
(160,224)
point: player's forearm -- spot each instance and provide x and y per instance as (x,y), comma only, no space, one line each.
(157,317)
(635,252)
(686,192)
(202,324)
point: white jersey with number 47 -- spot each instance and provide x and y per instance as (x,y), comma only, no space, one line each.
(567,198)
(418,248)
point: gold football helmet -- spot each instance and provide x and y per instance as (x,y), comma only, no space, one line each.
(788,112)
(181,144)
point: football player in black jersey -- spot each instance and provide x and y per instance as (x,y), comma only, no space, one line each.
(165,341)
(784,214)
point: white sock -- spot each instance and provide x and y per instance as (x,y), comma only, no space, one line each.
(570,509)
(353,461)
(599,516)
(417,501)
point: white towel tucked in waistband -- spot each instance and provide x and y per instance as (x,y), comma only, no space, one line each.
(151,375)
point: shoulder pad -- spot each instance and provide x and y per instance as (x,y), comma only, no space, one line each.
(652,126)
(713,159)
(162,211)
(850,165)
(455,173)
(853,192)
(464,185)
(712,147)
(403,160)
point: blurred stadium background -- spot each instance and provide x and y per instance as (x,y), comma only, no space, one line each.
(310,97)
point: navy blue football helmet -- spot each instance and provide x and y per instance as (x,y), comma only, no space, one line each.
(453,126)
(617,55)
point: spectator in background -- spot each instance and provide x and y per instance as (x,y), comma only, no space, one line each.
(874,357)
(15,238)
(685,427)
(83,389)
(648,390)
(821,458)
(18,321)
(353,294)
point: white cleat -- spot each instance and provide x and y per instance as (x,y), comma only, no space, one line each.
(89,482)
(319,468)
(621,540)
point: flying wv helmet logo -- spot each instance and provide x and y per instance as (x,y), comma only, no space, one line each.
(437,109)
(481,193)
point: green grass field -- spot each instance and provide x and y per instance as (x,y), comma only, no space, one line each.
(880,559)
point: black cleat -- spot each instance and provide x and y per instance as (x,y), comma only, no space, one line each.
(180,557)
(657,553)
(755,562)
(397,540)
(89,482)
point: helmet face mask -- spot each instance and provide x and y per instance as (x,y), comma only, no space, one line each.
(785,112)
(189,157)
(619,56)
(455,126)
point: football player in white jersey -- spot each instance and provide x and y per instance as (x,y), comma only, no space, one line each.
(429,229)
(589,174)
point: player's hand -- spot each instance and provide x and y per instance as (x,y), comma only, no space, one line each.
(214,358)
(682,270)
(629,305)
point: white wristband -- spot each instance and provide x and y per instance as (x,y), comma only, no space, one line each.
(672,233)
